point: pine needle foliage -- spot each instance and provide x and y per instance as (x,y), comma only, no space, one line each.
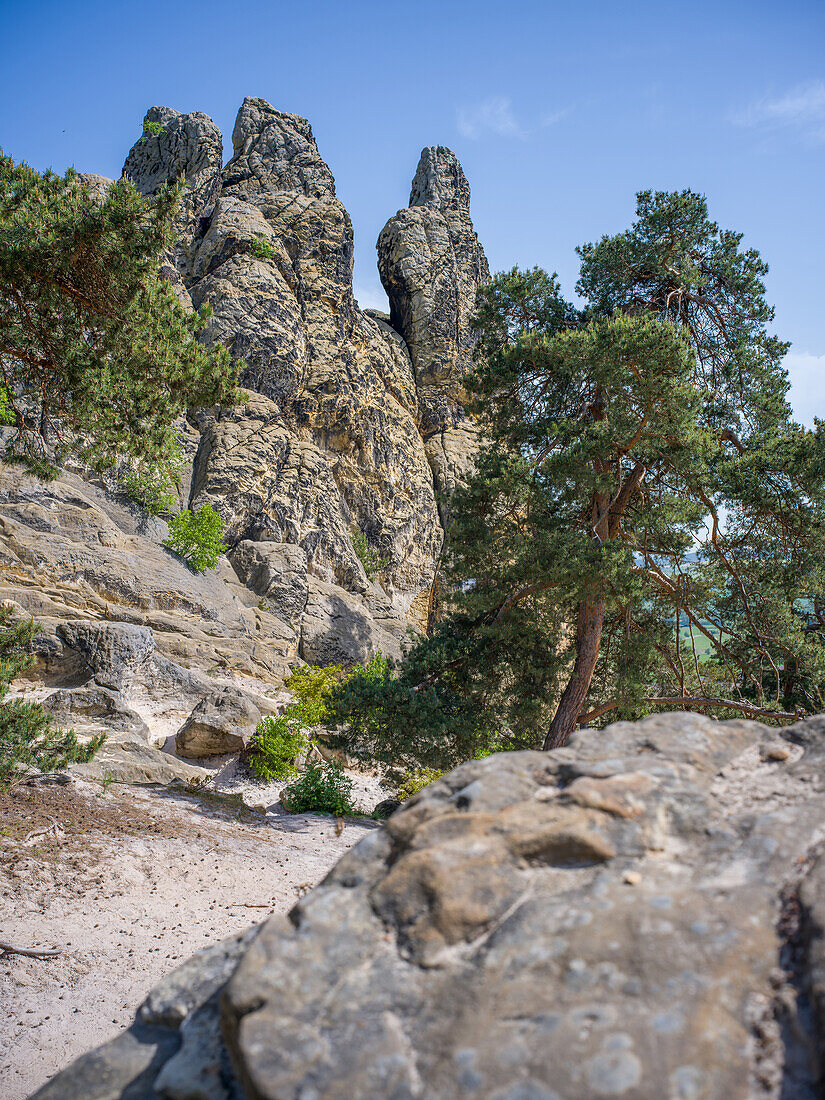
(27,737)
(642,472)
(97,356)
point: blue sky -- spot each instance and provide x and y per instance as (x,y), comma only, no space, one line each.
(559,113)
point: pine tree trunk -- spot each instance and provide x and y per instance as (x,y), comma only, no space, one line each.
(588,640)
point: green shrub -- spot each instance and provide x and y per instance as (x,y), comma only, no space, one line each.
(409,721)
(196,536)
(151,129)
(323,788)
(278,742)
(263,249)
(497,745)
(275,746)
(415,780)
(372,563)
(6,414)
(27,737)
(313,688)
(153,484)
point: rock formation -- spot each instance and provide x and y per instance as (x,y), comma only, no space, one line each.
(638,915)
(337,396)
(431,265)
(352,422)
(189,147)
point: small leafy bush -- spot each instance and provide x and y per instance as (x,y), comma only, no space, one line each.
(496,745)
(197,537)
(263,249)
(415,780)
(278,742)
(275,746)
(313,688)
(323,788)
(372,563)
(151,129)
(153,485)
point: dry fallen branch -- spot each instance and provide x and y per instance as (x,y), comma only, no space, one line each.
(55,829)
(696,702)
(31,952)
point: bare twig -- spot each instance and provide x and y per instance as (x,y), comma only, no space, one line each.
(31,952)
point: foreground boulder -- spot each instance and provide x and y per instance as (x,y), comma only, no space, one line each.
(640,914)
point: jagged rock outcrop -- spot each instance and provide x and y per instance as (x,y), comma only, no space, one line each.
(352,420)
(188,146)
(275,264)
(431,265)
(639,914)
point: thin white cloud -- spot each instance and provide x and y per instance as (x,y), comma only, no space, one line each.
(800,110)
(492,116)
(807,377)
(552,117)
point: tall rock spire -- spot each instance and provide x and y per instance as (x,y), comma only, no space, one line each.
(431,265)
(333,423)
(175,146)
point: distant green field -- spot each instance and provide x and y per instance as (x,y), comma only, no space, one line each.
(704,648)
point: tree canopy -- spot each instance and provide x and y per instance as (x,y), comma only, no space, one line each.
(97,354)
(642,494)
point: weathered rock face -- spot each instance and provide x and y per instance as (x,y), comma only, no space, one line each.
(352,421)
(221,723)
(113,652)
(190,146)
(114,605)
(131,640)
(275,264)
(639,915)
(431,265)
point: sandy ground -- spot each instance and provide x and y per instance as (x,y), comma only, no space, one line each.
(127,883)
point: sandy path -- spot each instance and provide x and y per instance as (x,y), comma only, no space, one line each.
(135,882)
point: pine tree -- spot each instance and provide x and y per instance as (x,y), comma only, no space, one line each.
(644,489)
(97,355)
(27,736)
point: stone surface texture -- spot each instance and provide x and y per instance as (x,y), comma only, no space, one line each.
(221,723)
(189,146)
(331,439)
(637,915)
